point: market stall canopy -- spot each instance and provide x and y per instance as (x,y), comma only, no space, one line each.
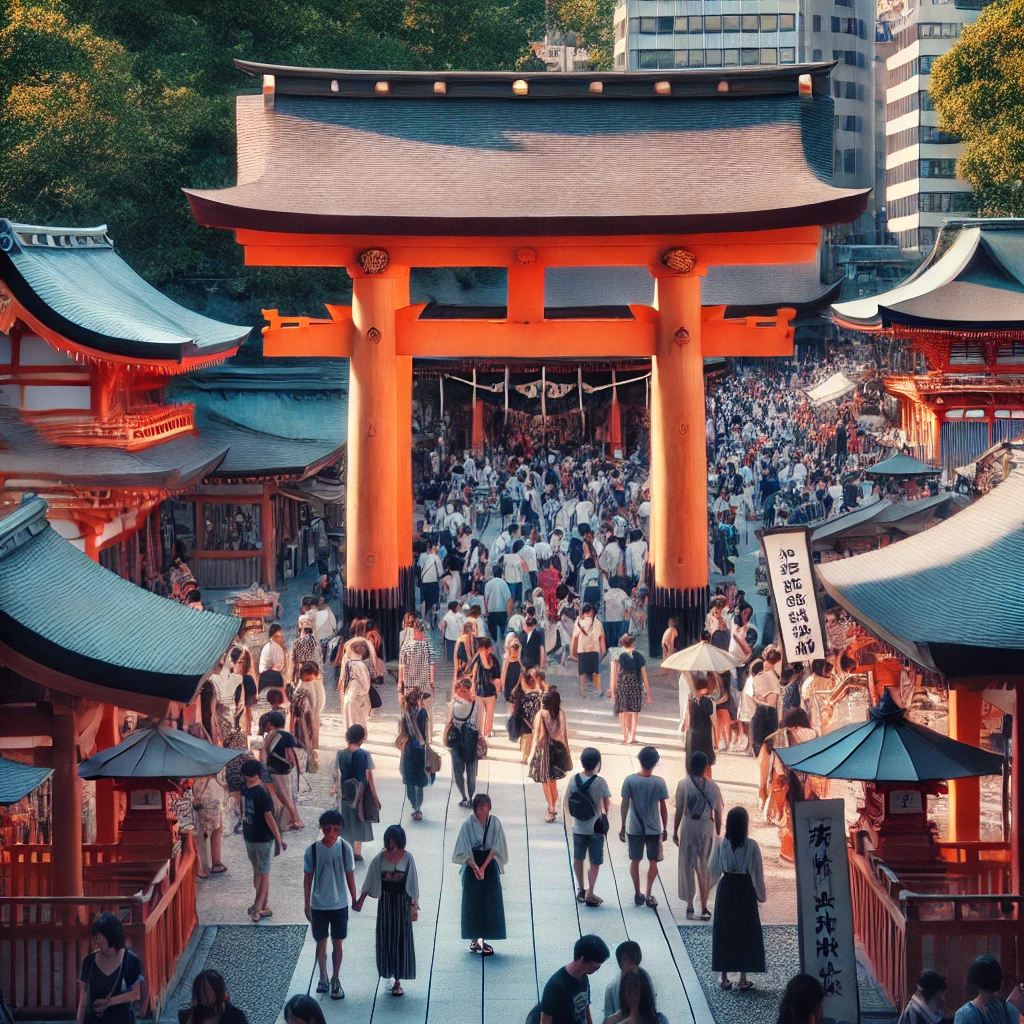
(71,625)
(18,780)
(832,389)
(489,153)
(949,598)
(160,752)
(972,280)
(902,465)
(72,282)
(701,657)
(888,747)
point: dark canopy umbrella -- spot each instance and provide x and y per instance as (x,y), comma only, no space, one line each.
(888,748)
(902,465)
(18,780)
(157,753)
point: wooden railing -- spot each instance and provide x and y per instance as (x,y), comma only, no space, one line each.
(43,940)
(26,869)
(905,932)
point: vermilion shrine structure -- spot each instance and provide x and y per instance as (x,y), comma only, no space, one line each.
(379,172)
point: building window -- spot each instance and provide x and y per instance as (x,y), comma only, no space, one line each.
(787,22)
(748,22)
(634,26)
(649,25)
(648,58)
(730,23)
(849,161)
(938,168)
(696,58)
(680,25)
(787,55)
(712,23)
(682,58)
(696,25)
(666,24)
(769,55)
(769,22)
(748,56)
(850,123)
(816,56)
(816,23)
(730,58)
(713,58)
(923,133)
(666,58)
(835,24)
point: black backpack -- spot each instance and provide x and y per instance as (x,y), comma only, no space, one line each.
(580,804)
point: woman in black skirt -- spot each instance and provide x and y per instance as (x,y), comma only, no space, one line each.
(392,879)
(736,940)
(483,852)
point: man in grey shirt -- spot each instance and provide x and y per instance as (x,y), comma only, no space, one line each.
(585,841)
(644,802)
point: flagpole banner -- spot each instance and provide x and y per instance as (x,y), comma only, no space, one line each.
(824,906)
(787,551)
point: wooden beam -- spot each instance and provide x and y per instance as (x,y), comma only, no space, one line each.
(308,336)
(783,245)
(750,336)
(586,339)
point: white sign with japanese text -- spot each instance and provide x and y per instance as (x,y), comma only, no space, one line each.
(824,908)
(791,575)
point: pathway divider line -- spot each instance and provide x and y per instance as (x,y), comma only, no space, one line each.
(440,888)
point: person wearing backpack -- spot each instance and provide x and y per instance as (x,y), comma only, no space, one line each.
(330,889)
(590,800)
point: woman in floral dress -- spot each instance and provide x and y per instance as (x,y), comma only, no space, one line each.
(524,703)
(629,685)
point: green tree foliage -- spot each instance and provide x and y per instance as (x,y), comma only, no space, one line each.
(110,109)
(592,21)
(978,88)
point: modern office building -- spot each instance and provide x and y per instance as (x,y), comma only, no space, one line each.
(725,33)
(921,186)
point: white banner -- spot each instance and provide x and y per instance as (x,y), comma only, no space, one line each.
(824,908)
(791,576)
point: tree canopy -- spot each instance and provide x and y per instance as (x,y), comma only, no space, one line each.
(592,21)
(110,109)
(978,89)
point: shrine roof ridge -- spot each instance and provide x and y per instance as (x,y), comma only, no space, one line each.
(541,85)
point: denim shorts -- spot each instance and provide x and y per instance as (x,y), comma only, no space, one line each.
(588,846)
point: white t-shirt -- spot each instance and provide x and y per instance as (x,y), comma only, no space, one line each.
(512,567)
(431,569)
(529,554)
(452,625)
(615,601)
(588,635)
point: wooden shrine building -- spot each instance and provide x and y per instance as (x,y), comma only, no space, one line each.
(960,317)
(670,171)
(111,404)
(79,648)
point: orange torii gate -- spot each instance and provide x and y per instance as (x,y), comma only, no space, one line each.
(380,172)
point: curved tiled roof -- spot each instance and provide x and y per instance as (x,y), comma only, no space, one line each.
(950,597)
(330,154)
(60,609)
(74,282)
(973,280)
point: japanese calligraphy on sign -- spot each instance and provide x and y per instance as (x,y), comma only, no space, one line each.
(824,909)
(791,576)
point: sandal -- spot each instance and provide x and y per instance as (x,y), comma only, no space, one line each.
(396,990)
(651,902)
(488,950)
(550,816)
(297,826)
(705,914)
(725,985)
(593,901)
(255,917)
(266,913)
(689,913)
(581,896)
(474,946)
(218,869)
(745,986)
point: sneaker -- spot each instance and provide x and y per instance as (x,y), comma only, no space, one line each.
(337,992)
(322,986)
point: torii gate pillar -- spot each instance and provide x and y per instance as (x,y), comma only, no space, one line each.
(678,572)
(374,501)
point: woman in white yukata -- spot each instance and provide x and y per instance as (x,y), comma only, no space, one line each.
(354,683)
(483,852)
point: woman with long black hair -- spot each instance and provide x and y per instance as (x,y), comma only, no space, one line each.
(737,943)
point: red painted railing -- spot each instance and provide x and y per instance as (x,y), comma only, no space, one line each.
(44,939)
(904,932)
